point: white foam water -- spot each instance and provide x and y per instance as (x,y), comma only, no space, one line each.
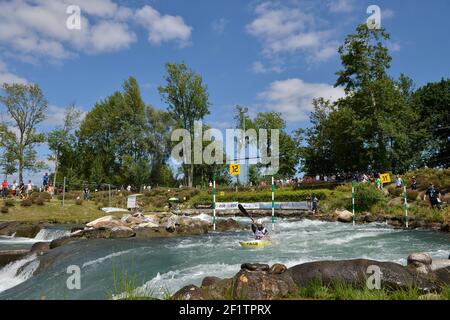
(51,234)
(17,272)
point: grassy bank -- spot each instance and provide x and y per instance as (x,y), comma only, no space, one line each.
(53,212)
(344,291)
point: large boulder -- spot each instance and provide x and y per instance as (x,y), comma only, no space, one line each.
(344,216)
(64,240)
(8,256)
(441,276)
(190,292)
(261,285)
(440,264)
(393,275)
(227,225)
(122,232)
(40,248)
(107,222)
(420,262)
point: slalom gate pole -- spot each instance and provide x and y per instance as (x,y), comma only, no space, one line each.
(214,203)
(406,206)
(353,202)
(273,204)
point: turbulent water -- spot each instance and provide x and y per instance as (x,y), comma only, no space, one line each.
(161,266)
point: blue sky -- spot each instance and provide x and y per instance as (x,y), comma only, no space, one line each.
(267,55)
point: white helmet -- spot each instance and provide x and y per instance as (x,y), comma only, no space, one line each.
(259,221)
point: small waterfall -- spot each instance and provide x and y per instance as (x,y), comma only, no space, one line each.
(17,272)
(51,234)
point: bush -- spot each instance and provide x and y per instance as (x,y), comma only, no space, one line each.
(79,202)
(9,203)
(263,196)
(26,203)
(39,201)
(395,192)
(4,209)
(366,196)
(412,194)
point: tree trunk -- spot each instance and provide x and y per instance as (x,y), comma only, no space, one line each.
(56,171)
(190,175)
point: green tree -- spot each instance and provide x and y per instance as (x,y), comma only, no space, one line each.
(188,101)
(61,139)
(26,106)
(433,104)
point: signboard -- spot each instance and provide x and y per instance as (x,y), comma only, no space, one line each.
(262,205)
(385,178)
(132,201)
(235,169)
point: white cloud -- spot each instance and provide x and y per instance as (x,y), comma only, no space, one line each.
(341,6)
(163,28)
(37,29)
(393,46)
(8,77)
(259,68)
(294,97)
(218,26)
(289,30)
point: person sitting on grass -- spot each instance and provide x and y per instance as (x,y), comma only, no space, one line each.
(259,230)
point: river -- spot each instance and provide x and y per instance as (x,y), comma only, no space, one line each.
(164,265)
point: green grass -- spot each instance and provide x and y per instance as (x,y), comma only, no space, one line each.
(282,195)
(54,212)
(338,290)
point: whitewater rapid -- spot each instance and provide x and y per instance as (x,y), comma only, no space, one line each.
(162,266)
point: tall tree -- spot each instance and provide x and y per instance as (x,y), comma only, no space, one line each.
(26,106)
(60,139)
(188,100)
(433,103)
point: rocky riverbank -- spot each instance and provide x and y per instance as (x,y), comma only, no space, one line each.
(264,282)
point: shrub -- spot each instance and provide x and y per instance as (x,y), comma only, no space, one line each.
(4,209)
(79,202)
(366,196)
(26,203)
(39,201)
(396,192)
(9,203)
(412,194)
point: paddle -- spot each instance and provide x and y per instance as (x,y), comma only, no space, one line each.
(242,209)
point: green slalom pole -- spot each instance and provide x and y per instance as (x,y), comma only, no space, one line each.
(273,204)
(214,203)
(353,202)
(406,206)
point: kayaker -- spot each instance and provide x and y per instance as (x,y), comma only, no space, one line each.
(259,230)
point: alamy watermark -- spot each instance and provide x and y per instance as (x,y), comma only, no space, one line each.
(374,21)
(73,22)
(374,280)
(73,282)
(262,146)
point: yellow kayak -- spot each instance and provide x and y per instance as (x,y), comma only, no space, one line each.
(255,243)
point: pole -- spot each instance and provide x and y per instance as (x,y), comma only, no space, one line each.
(406,206)
(273,204)
(214,203)
(353,202)
(64,191)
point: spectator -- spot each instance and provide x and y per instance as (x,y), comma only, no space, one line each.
(86,193)
(434,195)
(4,189)
(414,183)
(45,181)
(14,188)
(315,203)
(398,181)
(29,189)
(129,188)
(378,183)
